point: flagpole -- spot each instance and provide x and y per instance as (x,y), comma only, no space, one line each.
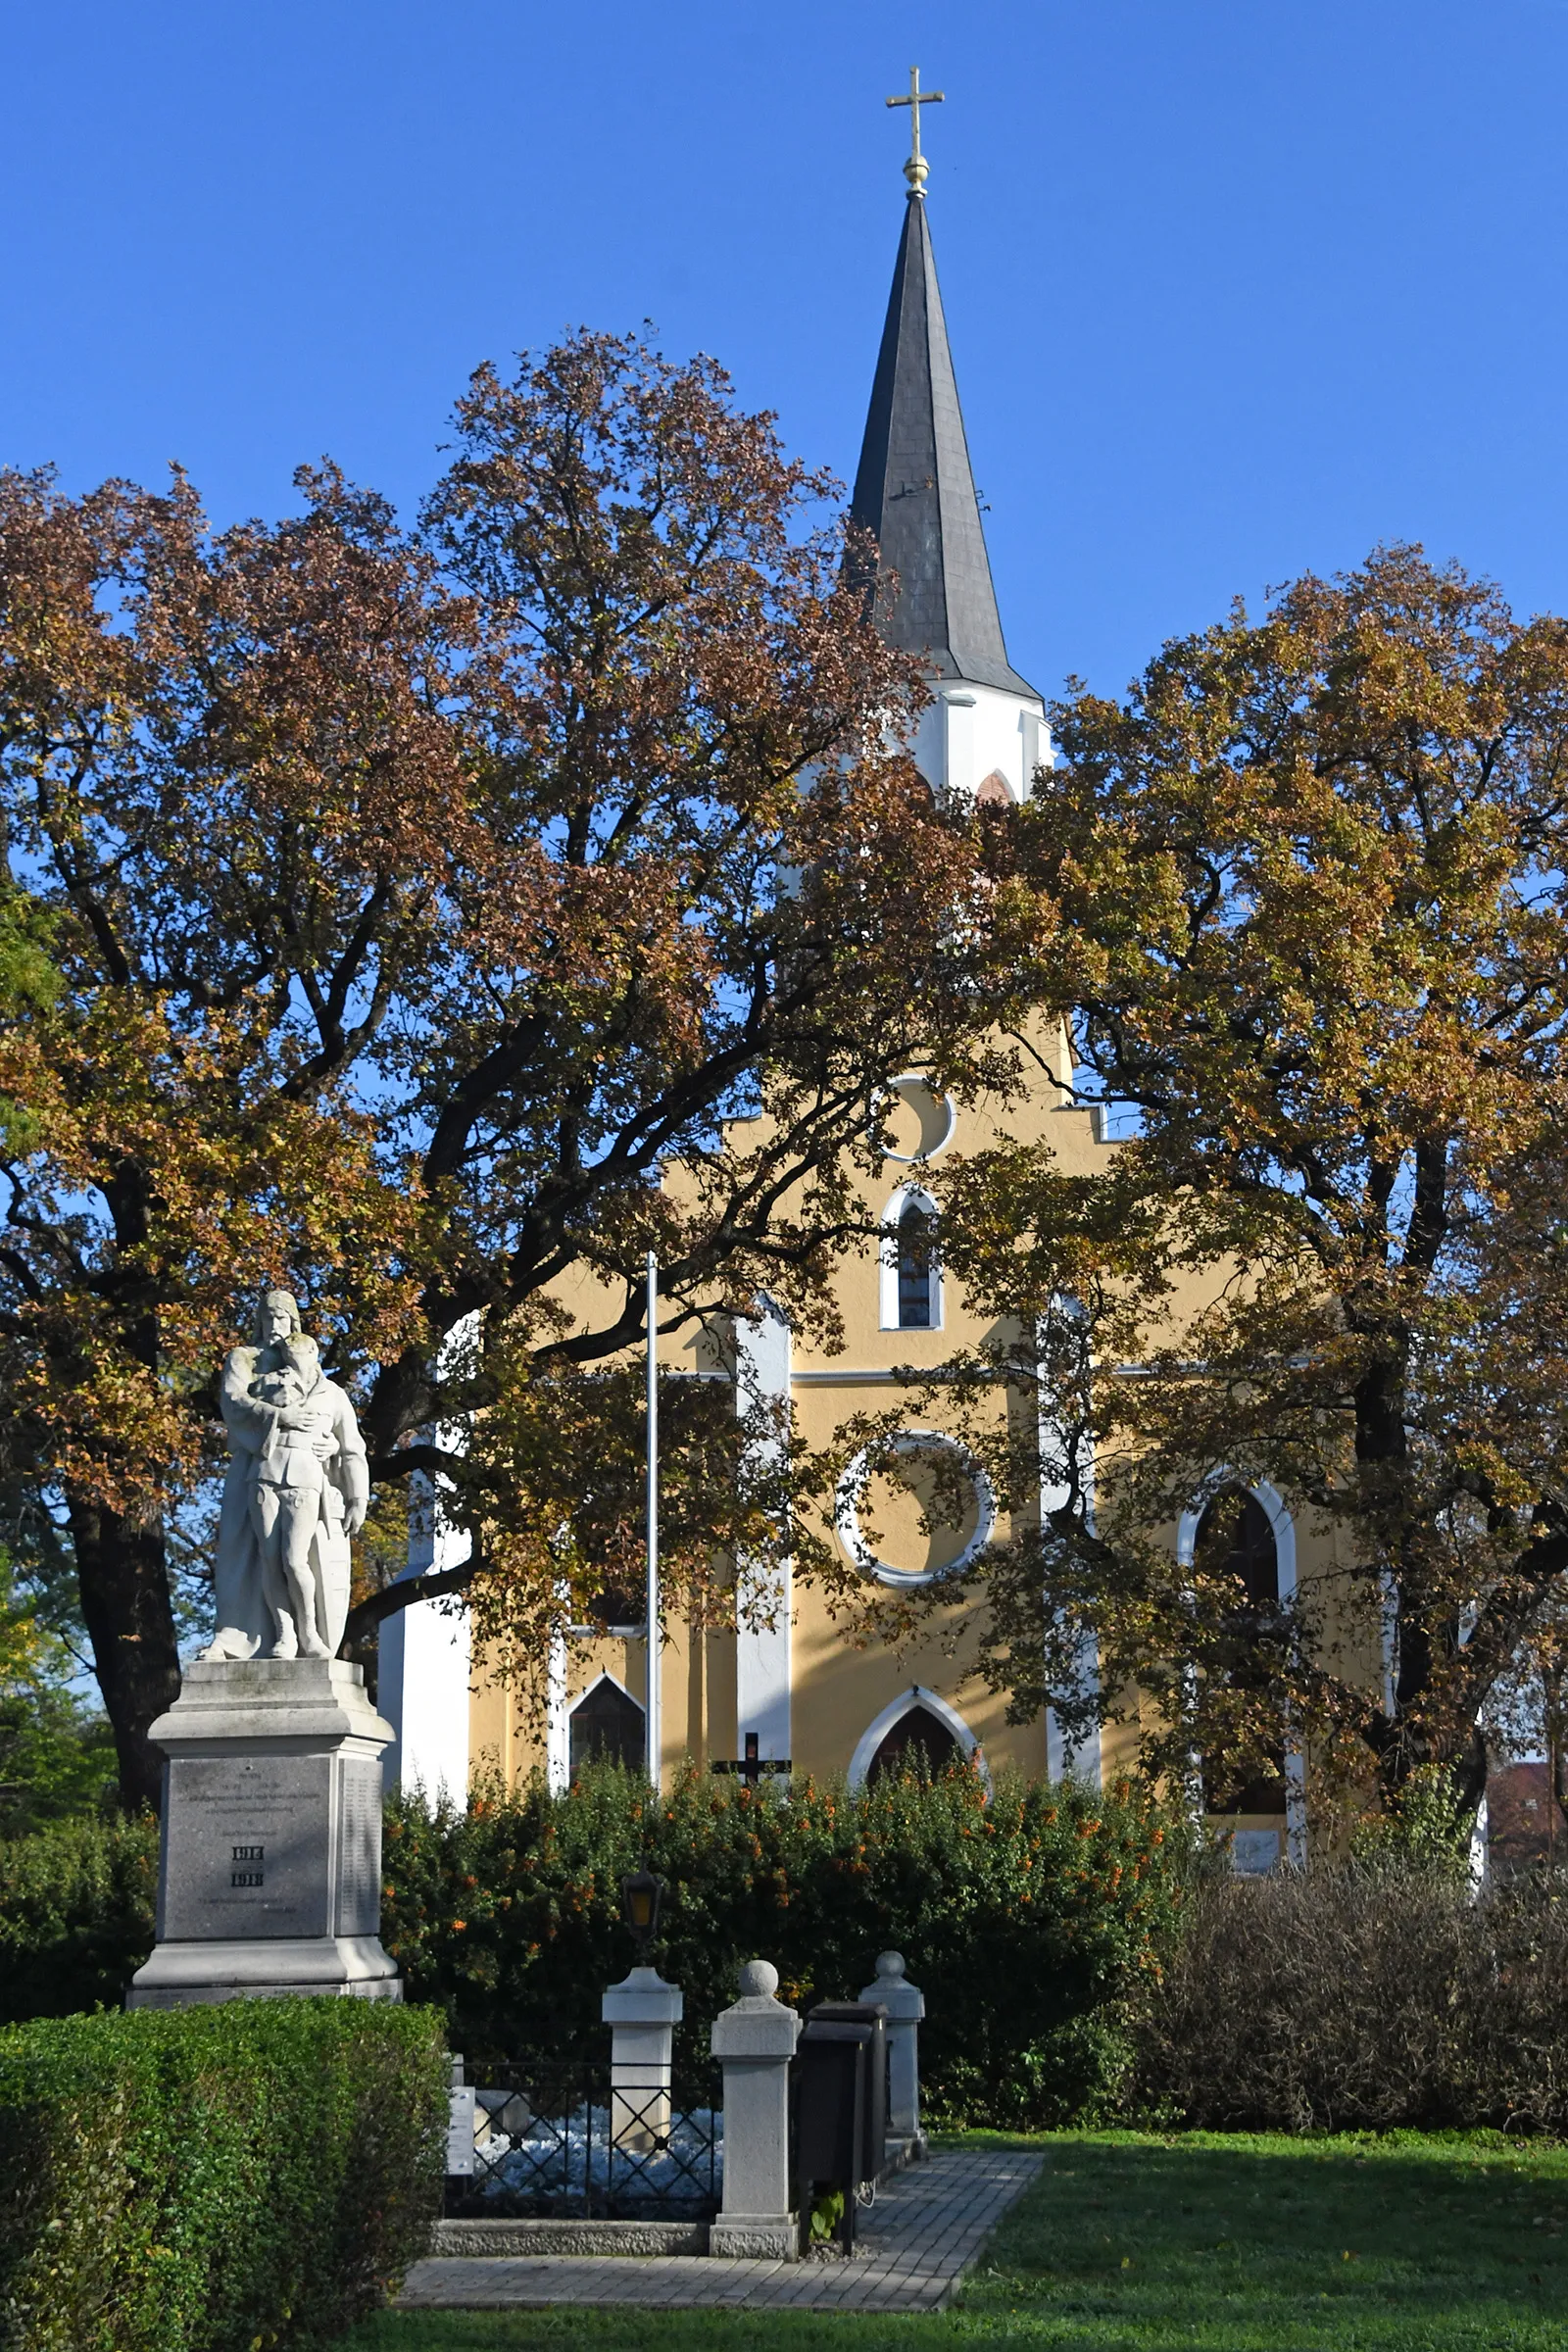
(655,1695)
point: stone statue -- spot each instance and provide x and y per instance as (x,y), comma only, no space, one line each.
(297,1490)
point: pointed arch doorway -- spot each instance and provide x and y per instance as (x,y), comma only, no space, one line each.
(919,1742)
(606,1726)
(918,1732)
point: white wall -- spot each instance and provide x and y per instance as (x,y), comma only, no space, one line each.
(425,1669)
(971,732)
(425,1662)
(763,1650)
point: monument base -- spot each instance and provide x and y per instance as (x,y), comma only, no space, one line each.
(178,1974)
(269,1873)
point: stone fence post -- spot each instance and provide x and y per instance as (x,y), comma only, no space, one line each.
(905,2004)
(642,2012)
(754,2042)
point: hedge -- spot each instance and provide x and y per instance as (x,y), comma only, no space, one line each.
(1364,1995)
(78,1901)
(214,2180)
(1035,1925)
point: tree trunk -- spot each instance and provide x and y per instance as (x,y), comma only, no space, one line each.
(1381,1453)
(125,1602)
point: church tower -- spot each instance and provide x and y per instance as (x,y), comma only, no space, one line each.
(985,732)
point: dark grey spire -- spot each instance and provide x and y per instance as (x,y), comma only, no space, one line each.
(915,491)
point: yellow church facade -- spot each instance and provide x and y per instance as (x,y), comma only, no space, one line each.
(793,1690)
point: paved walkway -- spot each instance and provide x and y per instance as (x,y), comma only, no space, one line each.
(915,2243)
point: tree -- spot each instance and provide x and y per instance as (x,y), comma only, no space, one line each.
(418,898)
(55,1758)
(1307,896)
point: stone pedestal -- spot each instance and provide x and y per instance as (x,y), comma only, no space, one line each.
(905,2004)
(642,2013)
(269,1871)
(754,2042)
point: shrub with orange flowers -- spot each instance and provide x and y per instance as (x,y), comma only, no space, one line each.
(1039,1943)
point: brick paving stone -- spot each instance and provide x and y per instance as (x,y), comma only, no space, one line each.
(916,2241)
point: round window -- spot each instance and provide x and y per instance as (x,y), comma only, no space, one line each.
(916,1508)
(919,1122)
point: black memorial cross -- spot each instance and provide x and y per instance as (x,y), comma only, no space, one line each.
(751,1766)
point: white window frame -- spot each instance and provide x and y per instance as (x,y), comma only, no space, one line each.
(847,1507)
(558,1747)
(895,1086)
(889,1301)
(1283,1527)
(917,1696)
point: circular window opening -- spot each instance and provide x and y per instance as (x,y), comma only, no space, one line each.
(919,1122)
(914,1509)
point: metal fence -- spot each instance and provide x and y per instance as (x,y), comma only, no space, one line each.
(573,2143)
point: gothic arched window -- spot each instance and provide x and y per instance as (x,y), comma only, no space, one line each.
(919,1742)
(918,1266)
(608,1727)
(1236,1538)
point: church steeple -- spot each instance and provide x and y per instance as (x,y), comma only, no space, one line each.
(914,490)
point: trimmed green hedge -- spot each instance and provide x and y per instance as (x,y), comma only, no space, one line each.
(1035,1926)
(78,1901)
(214,2180)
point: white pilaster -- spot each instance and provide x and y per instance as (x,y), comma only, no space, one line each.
(764,1591)
(1068,1759)
(426,1664)
(557,1719)
(425,1669)
(971,733)
(1075,1759)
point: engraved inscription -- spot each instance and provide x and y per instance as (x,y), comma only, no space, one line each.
(247,1850)
(359,1886)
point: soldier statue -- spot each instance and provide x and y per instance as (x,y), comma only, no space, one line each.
(297,1489)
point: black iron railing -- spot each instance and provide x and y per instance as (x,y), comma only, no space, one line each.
(578,2144)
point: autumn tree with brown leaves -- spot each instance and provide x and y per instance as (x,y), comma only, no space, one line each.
(1308,893)
(417,896)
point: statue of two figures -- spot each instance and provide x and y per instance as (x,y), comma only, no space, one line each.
(297,1490)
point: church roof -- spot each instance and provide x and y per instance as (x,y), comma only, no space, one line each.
(914,490)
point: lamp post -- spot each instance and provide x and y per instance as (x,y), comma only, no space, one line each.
(641,1894)
(642,2013)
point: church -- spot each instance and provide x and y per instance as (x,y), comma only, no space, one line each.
(792,1691)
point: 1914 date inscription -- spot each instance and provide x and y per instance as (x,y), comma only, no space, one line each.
(247,1878)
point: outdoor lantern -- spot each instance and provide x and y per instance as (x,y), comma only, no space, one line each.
(640,1896)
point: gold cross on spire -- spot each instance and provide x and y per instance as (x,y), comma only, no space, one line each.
(914,170)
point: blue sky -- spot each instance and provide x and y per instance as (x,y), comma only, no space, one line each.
(1236,287)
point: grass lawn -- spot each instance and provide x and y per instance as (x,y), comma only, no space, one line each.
(1205,2243)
